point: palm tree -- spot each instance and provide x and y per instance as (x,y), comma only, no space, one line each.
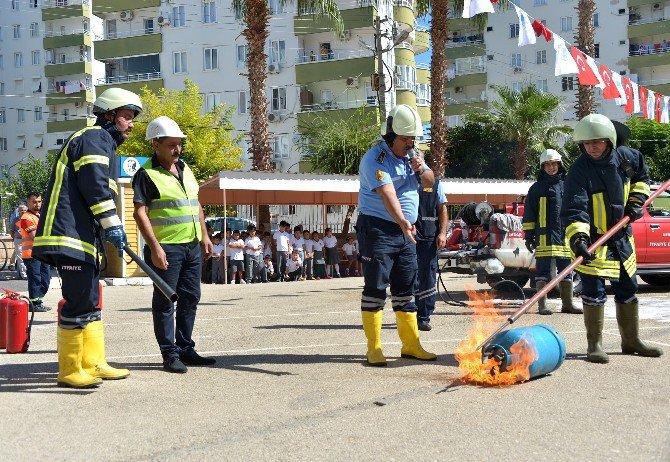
(585,37)
(526,118)
(256,15)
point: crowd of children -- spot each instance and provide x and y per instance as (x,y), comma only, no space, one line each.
(252,257)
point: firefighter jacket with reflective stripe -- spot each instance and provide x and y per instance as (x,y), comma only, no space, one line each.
(542,215)
(27,224)
(426,221)
(596,194)
(79,195)
(175,215)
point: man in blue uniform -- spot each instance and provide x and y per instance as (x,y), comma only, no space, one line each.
(79,201)
(388,203)
(432,217)
(606,182)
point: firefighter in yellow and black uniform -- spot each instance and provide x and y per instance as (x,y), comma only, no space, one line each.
(606,182)
(79,203)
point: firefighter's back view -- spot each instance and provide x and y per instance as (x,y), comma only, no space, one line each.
(80,202)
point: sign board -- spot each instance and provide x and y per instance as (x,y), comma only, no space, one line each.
(130,165)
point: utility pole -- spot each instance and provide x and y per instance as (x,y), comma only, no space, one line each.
(381,77)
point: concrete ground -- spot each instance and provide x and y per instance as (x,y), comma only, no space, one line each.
(290,384)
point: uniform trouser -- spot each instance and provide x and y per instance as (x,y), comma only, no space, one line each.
(388,258)
(543,268)
(217,271)
(295,275)
(281,263)
(265,274)
(253,266)
(79,284)
(425,291)
(593,289)
(183,275)
(39,278)
(301,255)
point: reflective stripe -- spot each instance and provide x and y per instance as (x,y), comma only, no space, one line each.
(576,227)
(65,241)
(626,190)
(599,213)
(431,294)
(640,188)
(371,305)
(103,206)
(170,221)
(553,251)
(542,214)
(529,226)
(432,289)
(159,204)
(366,298)
(113,185)
(90,159)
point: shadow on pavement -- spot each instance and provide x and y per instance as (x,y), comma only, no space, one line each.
(34,378)
(320,326)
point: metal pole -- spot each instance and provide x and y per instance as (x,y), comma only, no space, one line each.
(225,244)
(578,261)
(379,51)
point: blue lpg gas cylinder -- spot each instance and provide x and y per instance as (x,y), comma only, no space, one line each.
(547,342)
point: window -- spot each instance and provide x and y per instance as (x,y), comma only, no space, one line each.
(3,116)
(33,3)
(542,57)
(242,55)
(212,100)
(17,31)
(596,22)
(279,99)
(2,84)
(18,59)
(280,147)
(515,60)
(243,102)
(35,57)
(423,94)
(566,23)
(539,2)
(3,144)
(21,142)
(541,85)
(596,50)
(0,33)
(405,77)
(34,29)
(179,62)
(2,64)
(20,115)
(208,12)
(111,28)
(178,16)
(327,99)
(211,59)
(148,26)
(517,87)
(568,83)
(15,4)
(66,114)
(513,30)
(277,51)
(37,111)
(276,7)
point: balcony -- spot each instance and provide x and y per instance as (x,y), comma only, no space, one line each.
(142,44)
(332,65)
(422,73)
(645,27)
(457,108)
(658,86)
(102,7)
(72,125)
(468,78)
(135,82)
(59,97)
(403,12)
(307,117)
(421,41)
(633,3)
(355,18)
(71,66)
(648,55)
(53,10)
(68,39)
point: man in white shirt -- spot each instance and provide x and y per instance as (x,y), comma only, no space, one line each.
(254,252)
(236,246)
(282,239)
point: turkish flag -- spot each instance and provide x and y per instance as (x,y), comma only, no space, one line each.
(643,100)
(628,90)
(541,29)
(658,107)
(610,91)
(586,74)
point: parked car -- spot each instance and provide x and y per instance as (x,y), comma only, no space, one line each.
(233,223)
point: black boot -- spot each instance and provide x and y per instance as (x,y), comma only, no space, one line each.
(628,320)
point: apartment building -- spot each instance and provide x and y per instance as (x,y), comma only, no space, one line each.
(630,39)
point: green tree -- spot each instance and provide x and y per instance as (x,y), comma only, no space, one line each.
(653,141)
(526,118)
(32,176)
(477,152)
(210,145)
(338,146)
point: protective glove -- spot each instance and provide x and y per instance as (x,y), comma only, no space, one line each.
(116,236)
(580,246)
(530,245)
(634,210)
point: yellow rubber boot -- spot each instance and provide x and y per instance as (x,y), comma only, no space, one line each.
(70,349)
(372,325)
(93,360)
(408,331)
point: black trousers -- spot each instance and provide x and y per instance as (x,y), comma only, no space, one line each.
(79,284)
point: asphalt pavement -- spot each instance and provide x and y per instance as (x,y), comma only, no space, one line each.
(290,384)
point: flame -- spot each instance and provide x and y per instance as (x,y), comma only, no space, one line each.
(486,319)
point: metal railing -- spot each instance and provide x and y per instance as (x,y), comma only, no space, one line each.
(469,70)
(476,99)
(464,43)
(635,20)
(369,101)
(61,33)
(126,34)
(129,78)
(406,3)
(650,49)
(647,83)
(61,3)
(67,60)
(52,89)
(330,55)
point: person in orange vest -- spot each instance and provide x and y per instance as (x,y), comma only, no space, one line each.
(39,273)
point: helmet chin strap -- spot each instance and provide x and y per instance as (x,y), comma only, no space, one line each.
(110,127)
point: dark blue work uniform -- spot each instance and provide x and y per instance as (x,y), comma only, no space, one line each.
(427,226)
(387,255)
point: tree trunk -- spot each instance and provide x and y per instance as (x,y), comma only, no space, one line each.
(438,75)
(347,220)
(256,16)
(520,161)
(585,35)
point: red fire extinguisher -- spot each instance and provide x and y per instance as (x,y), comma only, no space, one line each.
(18,326)
(3,321)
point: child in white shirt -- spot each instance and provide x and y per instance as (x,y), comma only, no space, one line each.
(267,270)
(332,256)
(217,259)
(282,238)
(253,249)
(298,243)
(294,267)
(236,258)
(319,262)
(348,249)
(309,255)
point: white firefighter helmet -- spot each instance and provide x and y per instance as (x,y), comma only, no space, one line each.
(550,155)
(594,127)
(405,121)
(114,99)
(163,126)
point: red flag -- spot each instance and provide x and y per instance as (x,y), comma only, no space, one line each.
(586,74)
(643,100)
(628,90)
(610,91)
(541,29)
(658,108)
